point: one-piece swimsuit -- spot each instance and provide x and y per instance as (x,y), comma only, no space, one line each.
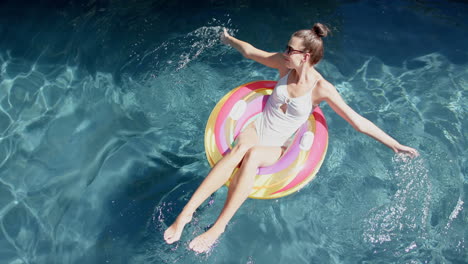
(283,114)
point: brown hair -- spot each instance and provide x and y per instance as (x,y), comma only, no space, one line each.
(313,41)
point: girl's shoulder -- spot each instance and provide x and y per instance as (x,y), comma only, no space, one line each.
(324,89)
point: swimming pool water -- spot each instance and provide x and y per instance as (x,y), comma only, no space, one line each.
(103,106)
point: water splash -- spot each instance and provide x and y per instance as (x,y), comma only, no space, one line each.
(250,260)
(399,225)
(198,42)
(458,208)
(192,46)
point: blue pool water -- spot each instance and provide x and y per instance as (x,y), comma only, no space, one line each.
(103,106)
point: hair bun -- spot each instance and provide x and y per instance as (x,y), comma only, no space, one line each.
(320,29)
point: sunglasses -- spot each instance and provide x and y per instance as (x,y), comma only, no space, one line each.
(290,50)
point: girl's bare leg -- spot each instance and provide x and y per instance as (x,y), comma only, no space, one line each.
(213,181)
(239,189)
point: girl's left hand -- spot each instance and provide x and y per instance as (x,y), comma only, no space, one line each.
(401,149)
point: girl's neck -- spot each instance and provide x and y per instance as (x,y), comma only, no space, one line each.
(304,73)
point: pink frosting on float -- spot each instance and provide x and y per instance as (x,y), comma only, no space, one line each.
(315,156)
(288,158)
(221,137)
(226,109)
(253,108)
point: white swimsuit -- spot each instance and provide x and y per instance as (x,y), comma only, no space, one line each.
(274,126)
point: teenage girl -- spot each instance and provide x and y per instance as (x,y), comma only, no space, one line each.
(300,88)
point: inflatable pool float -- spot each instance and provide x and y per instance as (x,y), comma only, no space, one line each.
(299,163)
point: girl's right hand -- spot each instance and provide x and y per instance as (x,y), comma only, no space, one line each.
(225,36)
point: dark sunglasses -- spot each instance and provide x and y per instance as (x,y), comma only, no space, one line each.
(290,50)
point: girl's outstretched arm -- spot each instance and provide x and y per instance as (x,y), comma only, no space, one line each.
(332,97)
(270,59)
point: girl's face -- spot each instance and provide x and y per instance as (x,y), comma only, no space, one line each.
(294,54)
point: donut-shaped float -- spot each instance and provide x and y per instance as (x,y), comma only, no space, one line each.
(299,163)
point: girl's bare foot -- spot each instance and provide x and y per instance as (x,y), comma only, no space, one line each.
(173,233)
(205,241)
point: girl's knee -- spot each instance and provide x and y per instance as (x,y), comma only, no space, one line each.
(241,148)
(253,155)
